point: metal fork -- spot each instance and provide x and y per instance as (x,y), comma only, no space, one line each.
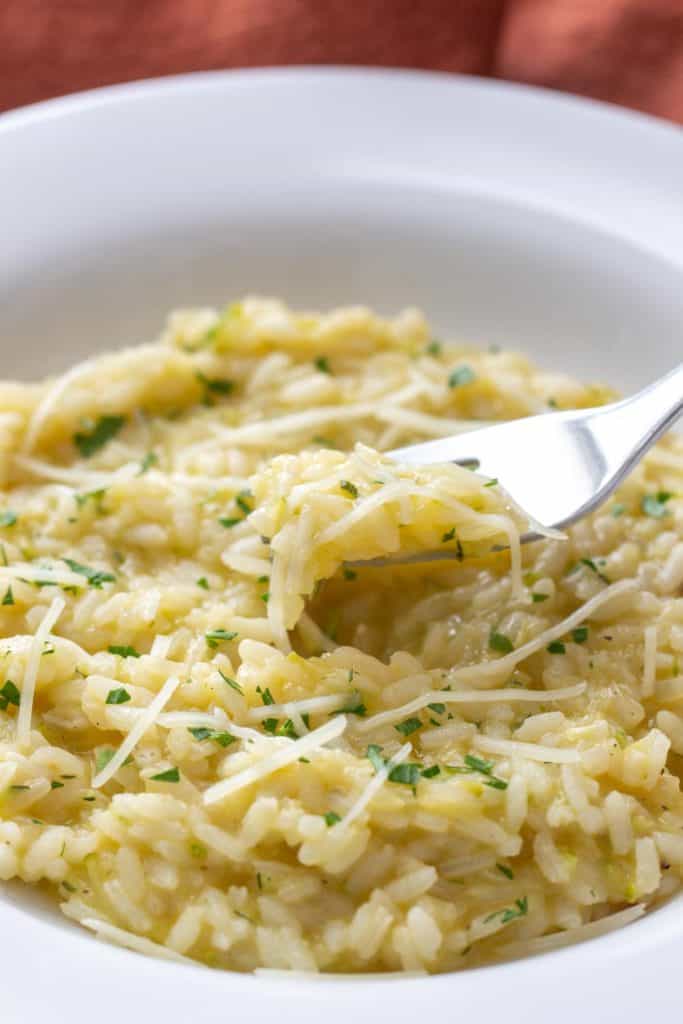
(559,466)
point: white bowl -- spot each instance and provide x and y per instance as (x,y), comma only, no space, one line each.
(512,216)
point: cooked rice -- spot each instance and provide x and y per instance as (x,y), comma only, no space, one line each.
(220,742)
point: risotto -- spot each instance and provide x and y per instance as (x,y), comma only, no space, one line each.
(225,738)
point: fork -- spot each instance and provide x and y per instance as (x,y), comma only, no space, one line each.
(559,466)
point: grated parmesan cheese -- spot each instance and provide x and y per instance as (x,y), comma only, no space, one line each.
(32,666)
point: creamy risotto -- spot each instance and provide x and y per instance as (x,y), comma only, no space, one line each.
(223,738)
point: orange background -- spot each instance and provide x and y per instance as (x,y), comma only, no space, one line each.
(625,51)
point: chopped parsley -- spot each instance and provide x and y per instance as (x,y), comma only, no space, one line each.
(409,726)
(556,647)
(500,642)
(331,818)
(322,364)
(438,709)
(265,695)
(9,596)
(170,775)
(355,707)
(150,459)
(349,487)
(654,505)
(350,574)
(538,598)
(590,564)
(520,909)
(374,756)
(90,441)
(461,375)
(242,503)
(56,785)
(580,634)
(433,348)
(123,651)
(224,739)
(448,536)
(232,683)
(95,577)
(9,694)
(430,773)
(102,759)
(8,518)
(203,583)
(218,636)
(504,870)
(229,521)
(118,696)
(472,764)
(405,774)
(215,386)
(492,483)
(618,509)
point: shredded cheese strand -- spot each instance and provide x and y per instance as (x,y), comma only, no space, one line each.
(145,720)
(532,751)
(137,943)
(508,694)
(28,687)
(285,755)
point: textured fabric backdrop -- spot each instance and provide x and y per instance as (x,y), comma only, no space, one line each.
(626,51)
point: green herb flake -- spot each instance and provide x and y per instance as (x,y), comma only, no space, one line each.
(438,709)
(492,483)
(218,636)
(520,909)
(8,518)
(460,376)
(224,739)
(374,756)
(9,597)
(102,759)
(150,459)
(478,764)
(499,642)
(556,647)
(590,564)
(448,536)
(430,773)
(405,774)
(349,487)
(69,887)
(409,726)
(90,441)
(322,364)
(539,598)
(9,694)
(266,696)
(331,818)
(350,574)
(504,870)
(654,505)
(229,521)
(618,509)
(123,651)
(118,696)
(56,785)
(242,503)
(95,577)
(580,634)
(170,775)
(200,732)
(232,683)
(198,850)
(203,583)
(434,348)
(216,385)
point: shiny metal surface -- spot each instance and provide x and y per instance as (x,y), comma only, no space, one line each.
(561,466)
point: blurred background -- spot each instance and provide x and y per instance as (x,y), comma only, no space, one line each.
(624,51)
